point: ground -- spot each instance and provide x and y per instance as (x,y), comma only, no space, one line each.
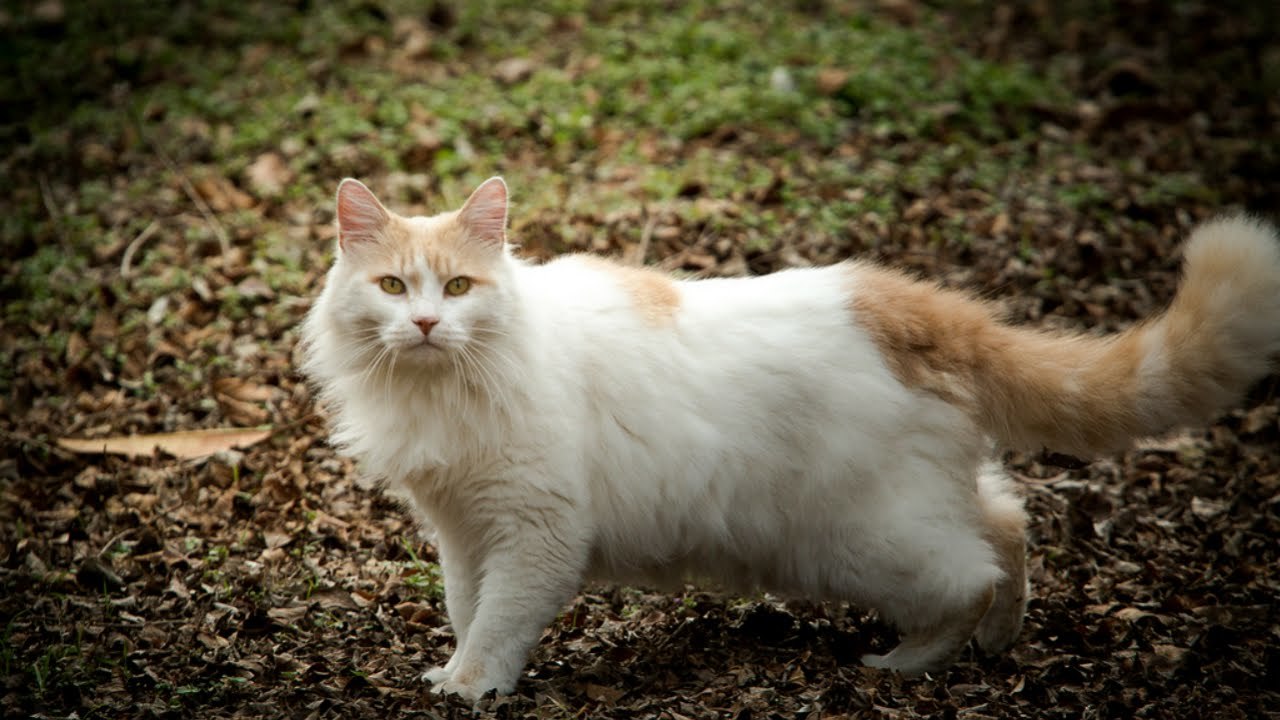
(167,218)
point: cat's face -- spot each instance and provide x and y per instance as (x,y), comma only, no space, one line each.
(422,290)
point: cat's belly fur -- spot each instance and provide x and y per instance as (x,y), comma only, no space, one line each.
(792,518)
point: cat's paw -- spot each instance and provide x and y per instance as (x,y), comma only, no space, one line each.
(437,675)
(469,691)
(998,631)
(880,662)
(906,662)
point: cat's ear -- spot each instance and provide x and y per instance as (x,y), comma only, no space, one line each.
(361,218)
(485,212)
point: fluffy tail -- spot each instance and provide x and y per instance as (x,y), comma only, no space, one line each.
(1086,395)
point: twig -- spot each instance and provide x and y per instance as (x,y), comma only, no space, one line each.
(224,239)
(46,196)
(646,237)
(126,262)
(114,539)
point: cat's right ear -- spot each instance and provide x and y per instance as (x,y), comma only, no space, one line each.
(361,218)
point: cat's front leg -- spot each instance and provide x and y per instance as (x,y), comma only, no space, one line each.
(525,583)
(461,581)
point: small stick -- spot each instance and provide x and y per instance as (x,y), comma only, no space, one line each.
(126,262)
(46,196)
(224,239)
(646,236)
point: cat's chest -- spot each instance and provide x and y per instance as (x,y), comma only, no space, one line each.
(411,435)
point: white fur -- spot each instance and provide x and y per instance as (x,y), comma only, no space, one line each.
(757,441)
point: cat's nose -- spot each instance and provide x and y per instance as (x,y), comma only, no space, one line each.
(425,324)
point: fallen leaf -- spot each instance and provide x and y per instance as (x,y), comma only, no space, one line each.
(604,694)
(831,80)
(276,539)
(255,287)
(287,615)
(268,175)
(1206,509)
(222,195)
(241,412)
(513,70)
(186,444)
(334,598)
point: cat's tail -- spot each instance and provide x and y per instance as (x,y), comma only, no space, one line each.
(1083,394)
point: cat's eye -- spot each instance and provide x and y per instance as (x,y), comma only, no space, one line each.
(458,285)
(391,285)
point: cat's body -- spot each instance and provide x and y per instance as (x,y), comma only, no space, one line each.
(822,433)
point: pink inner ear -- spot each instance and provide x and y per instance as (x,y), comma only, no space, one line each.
(361,217)
(485,212)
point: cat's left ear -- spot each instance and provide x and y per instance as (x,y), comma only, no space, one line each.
(485,212)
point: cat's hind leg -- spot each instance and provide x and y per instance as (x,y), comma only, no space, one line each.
(1005,523)
(929,568)
(935,647)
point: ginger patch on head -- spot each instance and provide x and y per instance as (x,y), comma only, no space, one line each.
(442,244)
(654,295)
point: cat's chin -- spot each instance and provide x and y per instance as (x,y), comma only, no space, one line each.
(424,353)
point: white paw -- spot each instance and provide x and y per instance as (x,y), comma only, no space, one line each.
(436,675)
(906,664)
(468,691)
(877,661)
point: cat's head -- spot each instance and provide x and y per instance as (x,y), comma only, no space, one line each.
(420,290)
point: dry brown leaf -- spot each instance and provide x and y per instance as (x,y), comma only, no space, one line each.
(604,694)
(269,175)
(243,413)
(222,195)
(514,70)
(334,598)
(831,80)
(287,615)
(187,444)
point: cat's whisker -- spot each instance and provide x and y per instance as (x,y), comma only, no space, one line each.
(473,371)
(490,384)
(371,372)
(388,376)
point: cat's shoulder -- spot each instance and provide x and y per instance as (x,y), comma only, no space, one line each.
(655,295)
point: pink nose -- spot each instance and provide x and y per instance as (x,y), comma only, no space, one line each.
(425,324)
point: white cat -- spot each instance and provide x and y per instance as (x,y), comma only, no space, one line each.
(824,433)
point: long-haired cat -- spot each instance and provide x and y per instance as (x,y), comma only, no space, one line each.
(825,433)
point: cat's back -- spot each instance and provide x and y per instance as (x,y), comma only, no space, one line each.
(638,339)
(595,293)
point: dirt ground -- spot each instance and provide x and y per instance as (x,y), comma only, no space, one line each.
(157,268)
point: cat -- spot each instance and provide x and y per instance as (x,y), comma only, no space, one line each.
(827,433)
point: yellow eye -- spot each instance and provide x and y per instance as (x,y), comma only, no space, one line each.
(391,285)
(457,286)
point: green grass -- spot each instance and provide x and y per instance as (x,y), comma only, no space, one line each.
(425,577)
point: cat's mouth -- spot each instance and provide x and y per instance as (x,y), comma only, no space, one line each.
(427,347)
